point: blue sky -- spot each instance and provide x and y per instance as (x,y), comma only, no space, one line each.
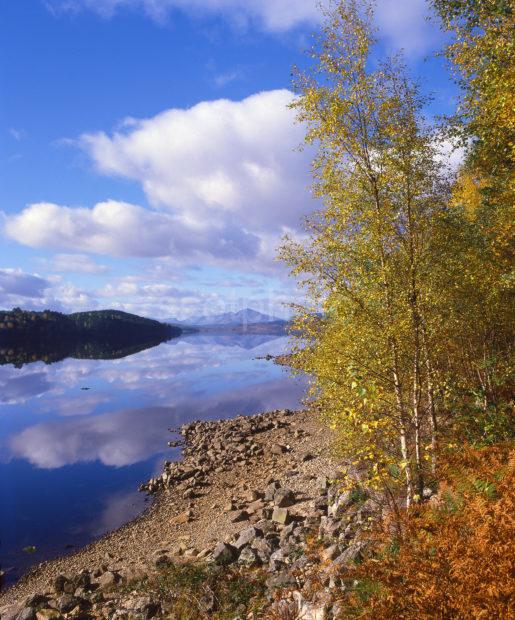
(147,152)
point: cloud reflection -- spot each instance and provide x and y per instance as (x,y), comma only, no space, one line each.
(18,388)
(128,436)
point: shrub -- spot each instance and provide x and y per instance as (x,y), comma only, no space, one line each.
(456,555)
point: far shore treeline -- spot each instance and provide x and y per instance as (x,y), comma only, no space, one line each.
(27,336)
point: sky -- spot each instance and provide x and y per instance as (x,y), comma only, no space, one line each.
(148,157)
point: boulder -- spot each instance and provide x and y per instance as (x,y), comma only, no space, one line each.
(353,553)
(108,580)
(281,515)
(224,554)
(66,603)
(270,491)
(238,516)
(248,557)
(247,536)
(307,610)
(35,600)
(146,607)
(330,553)
(263,548)
(284,498)
(28,613)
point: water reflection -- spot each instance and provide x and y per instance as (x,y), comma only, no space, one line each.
(72,458)
(27,352)
(17,389)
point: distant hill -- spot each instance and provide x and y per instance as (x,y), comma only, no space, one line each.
(100,334)
(240,319)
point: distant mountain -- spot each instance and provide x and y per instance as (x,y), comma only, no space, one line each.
(242,318)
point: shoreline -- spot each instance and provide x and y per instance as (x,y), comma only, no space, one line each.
(205,497)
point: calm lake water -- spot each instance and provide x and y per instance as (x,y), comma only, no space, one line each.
(71,459)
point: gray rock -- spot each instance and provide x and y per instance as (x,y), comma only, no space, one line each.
(353,553)
(247,536)
(146,607)
(35,600)
(284,498)
(340,505)
(307,610)
(82,580)
(59,583)
(256,506)
(107,580)
(277,560)
(263,548)
(224,554)
(287,531)
(330,553)
(248,557)
(29,613)
(281,515)
(240,515)
(282,580)
(265,526)
(66,603)
(271,490)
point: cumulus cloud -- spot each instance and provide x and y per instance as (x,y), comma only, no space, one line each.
(122,229)
(16,286)
(216,160)
(75,263)
(30,291)
(222,178)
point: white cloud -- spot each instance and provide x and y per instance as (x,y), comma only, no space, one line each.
(217,161)
(122,229)
(401,22)
(136,287)
(30,291)
(270,15)
(450,153)
(75,263)
(223,79)
(17,287)
(223,179)
(404,24)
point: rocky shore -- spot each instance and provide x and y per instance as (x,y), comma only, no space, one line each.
(253,499)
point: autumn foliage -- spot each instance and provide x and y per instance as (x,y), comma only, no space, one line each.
(456,558)
(407,332)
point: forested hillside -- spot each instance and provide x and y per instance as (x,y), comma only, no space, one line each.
(52,336)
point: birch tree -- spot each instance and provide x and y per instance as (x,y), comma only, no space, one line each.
(365,262)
